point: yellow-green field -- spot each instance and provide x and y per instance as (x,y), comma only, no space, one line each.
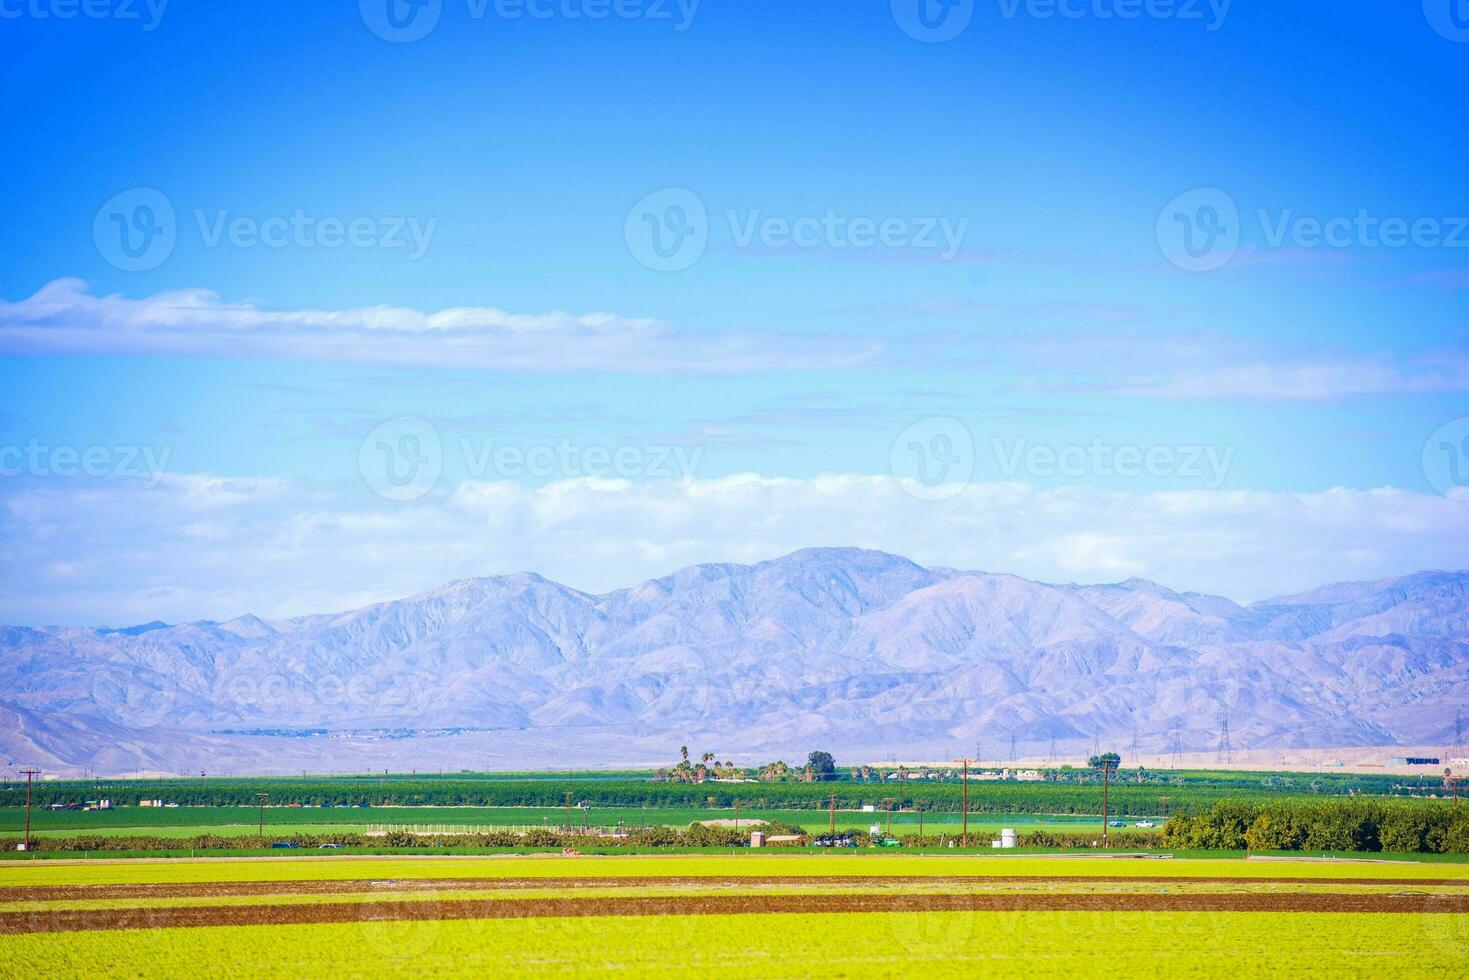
(748,915)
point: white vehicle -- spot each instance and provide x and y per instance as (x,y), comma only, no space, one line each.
(1145,823)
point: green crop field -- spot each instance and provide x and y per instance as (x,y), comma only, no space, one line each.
(196,820)
(801,945)
(1137,792)
(765,915)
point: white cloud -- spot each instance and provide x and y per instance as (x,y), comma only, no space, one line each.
(1346,377)
(65,318)
(199,546)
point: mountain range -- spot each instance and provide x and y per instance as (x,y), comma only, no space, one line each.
(862,653)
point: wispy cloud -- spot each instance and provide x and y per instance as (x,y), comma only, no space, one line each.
(1307,380)
(1111,355)
(207,546)
(65,317)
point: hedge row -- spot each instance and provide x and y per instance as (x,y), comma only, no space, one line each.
(1127,798)
(1323,825)
(696,835)
(1121,840)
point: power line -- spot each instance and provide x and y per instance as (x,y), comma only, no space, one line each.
(1226,753)
(29,774)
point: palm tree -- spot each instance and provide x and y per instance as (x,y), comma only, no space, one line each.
(683,750)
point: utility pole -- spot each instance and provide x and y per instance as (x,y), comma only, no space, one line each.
(568,811)
(966,802)
(260,799)
(889,801)
(1226,753)
(831,816)
(1106,762)
(1165,809)
(29,774)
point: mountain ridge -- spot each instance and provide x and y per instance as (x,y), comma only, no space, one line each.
(846,647)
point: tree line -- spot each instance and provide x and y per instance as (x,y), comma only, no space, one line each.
(1360,825)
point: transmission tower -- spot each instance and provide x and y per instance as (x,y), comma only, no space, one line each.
(1133,750)
(1226,754)
(1459,733)
(1013,756)
(1052,759)
(1176,744)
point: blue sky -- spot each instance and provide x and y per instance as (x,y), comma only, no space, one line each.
(1035,174)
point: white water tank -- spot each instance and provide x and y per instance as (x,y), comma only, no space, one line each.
(1007,837)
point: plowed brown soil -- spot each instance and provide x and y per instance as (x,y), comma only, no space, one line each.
(58,893)
(249,915)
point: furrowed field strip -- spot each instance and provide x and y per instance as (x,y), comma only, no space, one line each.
(363,894)
(260,914)
(162,871)
(245,889)
(936,945)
